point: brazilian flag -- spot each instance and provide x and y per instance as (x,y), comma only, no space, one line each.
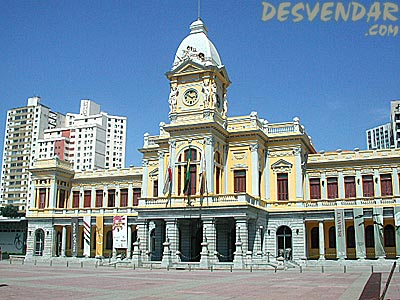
(187,189)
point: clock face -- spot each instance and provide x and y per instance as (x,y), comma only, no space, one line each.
(190,97)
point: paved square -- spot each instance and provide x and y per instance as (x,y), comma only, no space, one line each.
(41,281)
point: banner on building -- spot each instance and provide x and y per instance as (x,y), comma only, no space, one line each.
(358,214)
(99,235)
(340,227)
(377,213)
(87,220)
(397,226)
(120,232)
(74,236)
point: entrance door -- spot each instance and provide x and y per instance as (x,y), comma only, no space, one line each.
(284,242)
(39,242)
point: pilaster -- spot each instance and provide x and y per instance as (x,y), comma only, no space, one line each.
(254,170)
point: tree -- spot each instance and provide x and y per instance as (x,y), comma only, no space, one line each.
(9,211)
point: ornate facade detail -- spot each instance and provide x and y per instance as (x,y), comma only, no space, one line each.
(209,140)
(205,90)
(145,162)
(254,147)
(225,105)
(161,154)
(173,94)
(296,151)
(282,166)
(239,156)
(314,174)
(191,53)
(280,153)
(331,173)
(172,143)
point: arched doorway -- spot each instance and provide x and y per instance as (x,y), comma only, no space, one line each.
(284,242)
(39,242)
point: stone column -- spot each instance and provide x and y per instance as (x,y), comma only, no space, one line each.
(395,175)
(64,241)
(145,164)
(299,173)
(377,213)
(172,234)
(254,170)
(93,198)
(266,176)
(209,156)
(359,232)
(321,240)
(53,194)
(172,151)
(143,238)
(377,183)
(258,251)
(341,185)
(210,236)
(241,243)
(307,195)
(161,173)
(324,184)
(359,193)
(105,196)
(226,170)
(117,196)
(129,238)
(130,195)
(397,225)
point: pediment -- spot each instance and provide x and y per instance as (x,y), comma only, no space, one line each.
(282,166)
(154,173)
(186,67)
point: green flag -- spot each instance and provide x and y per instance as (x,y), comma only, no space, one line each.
(186,189)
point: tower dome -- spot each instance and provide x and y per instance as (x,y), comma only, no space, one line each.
(197,47)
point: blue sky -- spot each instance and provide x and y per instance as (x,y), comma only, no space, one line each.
(337,80)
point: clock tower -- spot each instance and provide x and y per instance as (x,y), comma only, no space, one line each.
(198,80)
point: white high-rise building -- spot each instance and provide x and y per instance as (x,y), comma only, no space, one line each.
(90,140)
(386,136)
(379,137)
(25,126)
(395,122)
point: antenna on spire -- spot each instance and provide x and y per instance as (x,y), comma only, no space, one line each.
(198,9)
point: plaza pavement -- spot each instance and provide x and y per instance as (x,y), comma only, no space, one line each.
(57,281)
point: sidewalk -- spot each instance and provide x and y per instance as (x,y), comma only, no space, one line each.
(30,281)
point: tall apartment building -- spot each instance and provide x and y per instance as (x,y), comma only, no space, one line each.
(25,126)
(90,140)
(386,136)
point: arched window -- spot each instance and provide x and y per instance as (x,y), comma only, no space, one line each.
(188,177)
(350,236)
(332,237)
(369,236)
(39,242)
(389,236)
(315,238)
(109,240)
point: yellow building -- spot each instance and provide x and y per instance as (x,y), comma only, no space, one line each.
(217,189)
